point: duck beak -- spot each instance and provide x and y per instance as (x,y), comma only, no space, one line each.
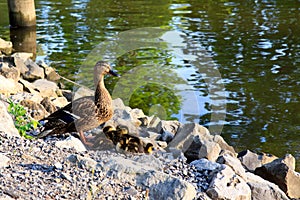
(111,72)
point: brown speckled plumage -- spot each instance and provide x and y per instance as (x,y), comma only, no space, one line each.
(84,113)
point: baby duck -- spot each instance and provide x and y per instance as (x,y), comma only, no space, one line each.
(114,134)
(133,144)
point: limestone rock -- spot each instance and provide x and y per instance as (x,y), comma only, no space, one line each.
(50,72)
(160,185)
(227,185)
(170,126)
(46,88)
(234,163)
(71,142)
(35,72)
(6,122)
(36,97)
(9,86)
(204,164)
(20,65)
(83,162)
(209,150)
(36,110)
(263,189)
(186,137)
(59,102)
(4,160)
(28,87)
(9,72)
(223,144)
(22,55)
(5,46)
(48,105)
(281,172)
(249,159)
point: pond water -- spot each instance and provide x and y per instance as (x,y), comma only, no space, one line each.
(232,67)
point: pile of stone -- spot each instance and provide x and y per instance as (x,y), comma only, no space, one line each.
(189,163)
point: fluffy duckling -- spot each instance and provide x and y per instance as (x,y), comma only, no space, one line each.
(133,144)
(114,134)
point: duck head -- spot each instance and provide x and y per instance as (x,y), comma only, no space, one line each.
(101,68)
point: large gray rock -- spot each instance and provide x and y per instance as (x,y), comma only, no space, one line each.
(263,189)
(36,110)
(71,142)
(250,160)
(187,139)
(6,122)
(281,172)
(223,144)
(5,46)
(9,71)
(234,163)
(160,185)
(35,72)
(28,87)
(204,164)
(46,88)
(9,86)
(226,184)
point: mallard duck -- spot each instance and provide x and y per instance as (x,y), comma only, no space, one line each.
(84,113)
(115,134)
(126,142)
(133,144)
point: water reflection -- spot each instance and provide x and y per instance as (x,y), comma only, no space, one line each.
(254,45)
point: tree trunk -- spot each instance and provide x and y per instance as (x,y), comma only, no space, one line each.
(21,13)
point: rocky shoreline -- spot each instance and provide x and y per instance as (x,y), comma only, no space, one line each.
(189,163)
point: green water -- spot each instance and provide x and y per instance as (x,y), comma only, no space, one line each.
(206,59)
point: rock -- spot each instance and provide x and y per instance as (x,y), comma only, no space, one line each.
(83,162)
(209,150)
(224,146)
(22,55)
(36,110)
(153,123)
(170,126)
(160,185)
(4,160)
(266,158)
(71,142)
(9,72)
(50,72)
(9,86)
(82,92)
(67,94)
(227,185)
(20,65)
(186,138)
(36,97)
(204,164)
(48,105)
(5,46)
(166,136)
(6,122)
(35,72)
(249,159)
(28,87)
(234,163)
(59,102)
(46,88)
(263,189)
(118,103)
(281,172)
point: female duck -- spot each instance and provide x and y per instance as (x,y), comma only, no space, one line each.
(84,113)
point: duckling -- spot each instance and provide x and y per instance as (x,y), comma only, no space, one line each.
(133,144)
(114,134)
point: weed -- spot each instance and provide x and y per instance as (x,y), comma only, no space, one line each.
(22,122)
